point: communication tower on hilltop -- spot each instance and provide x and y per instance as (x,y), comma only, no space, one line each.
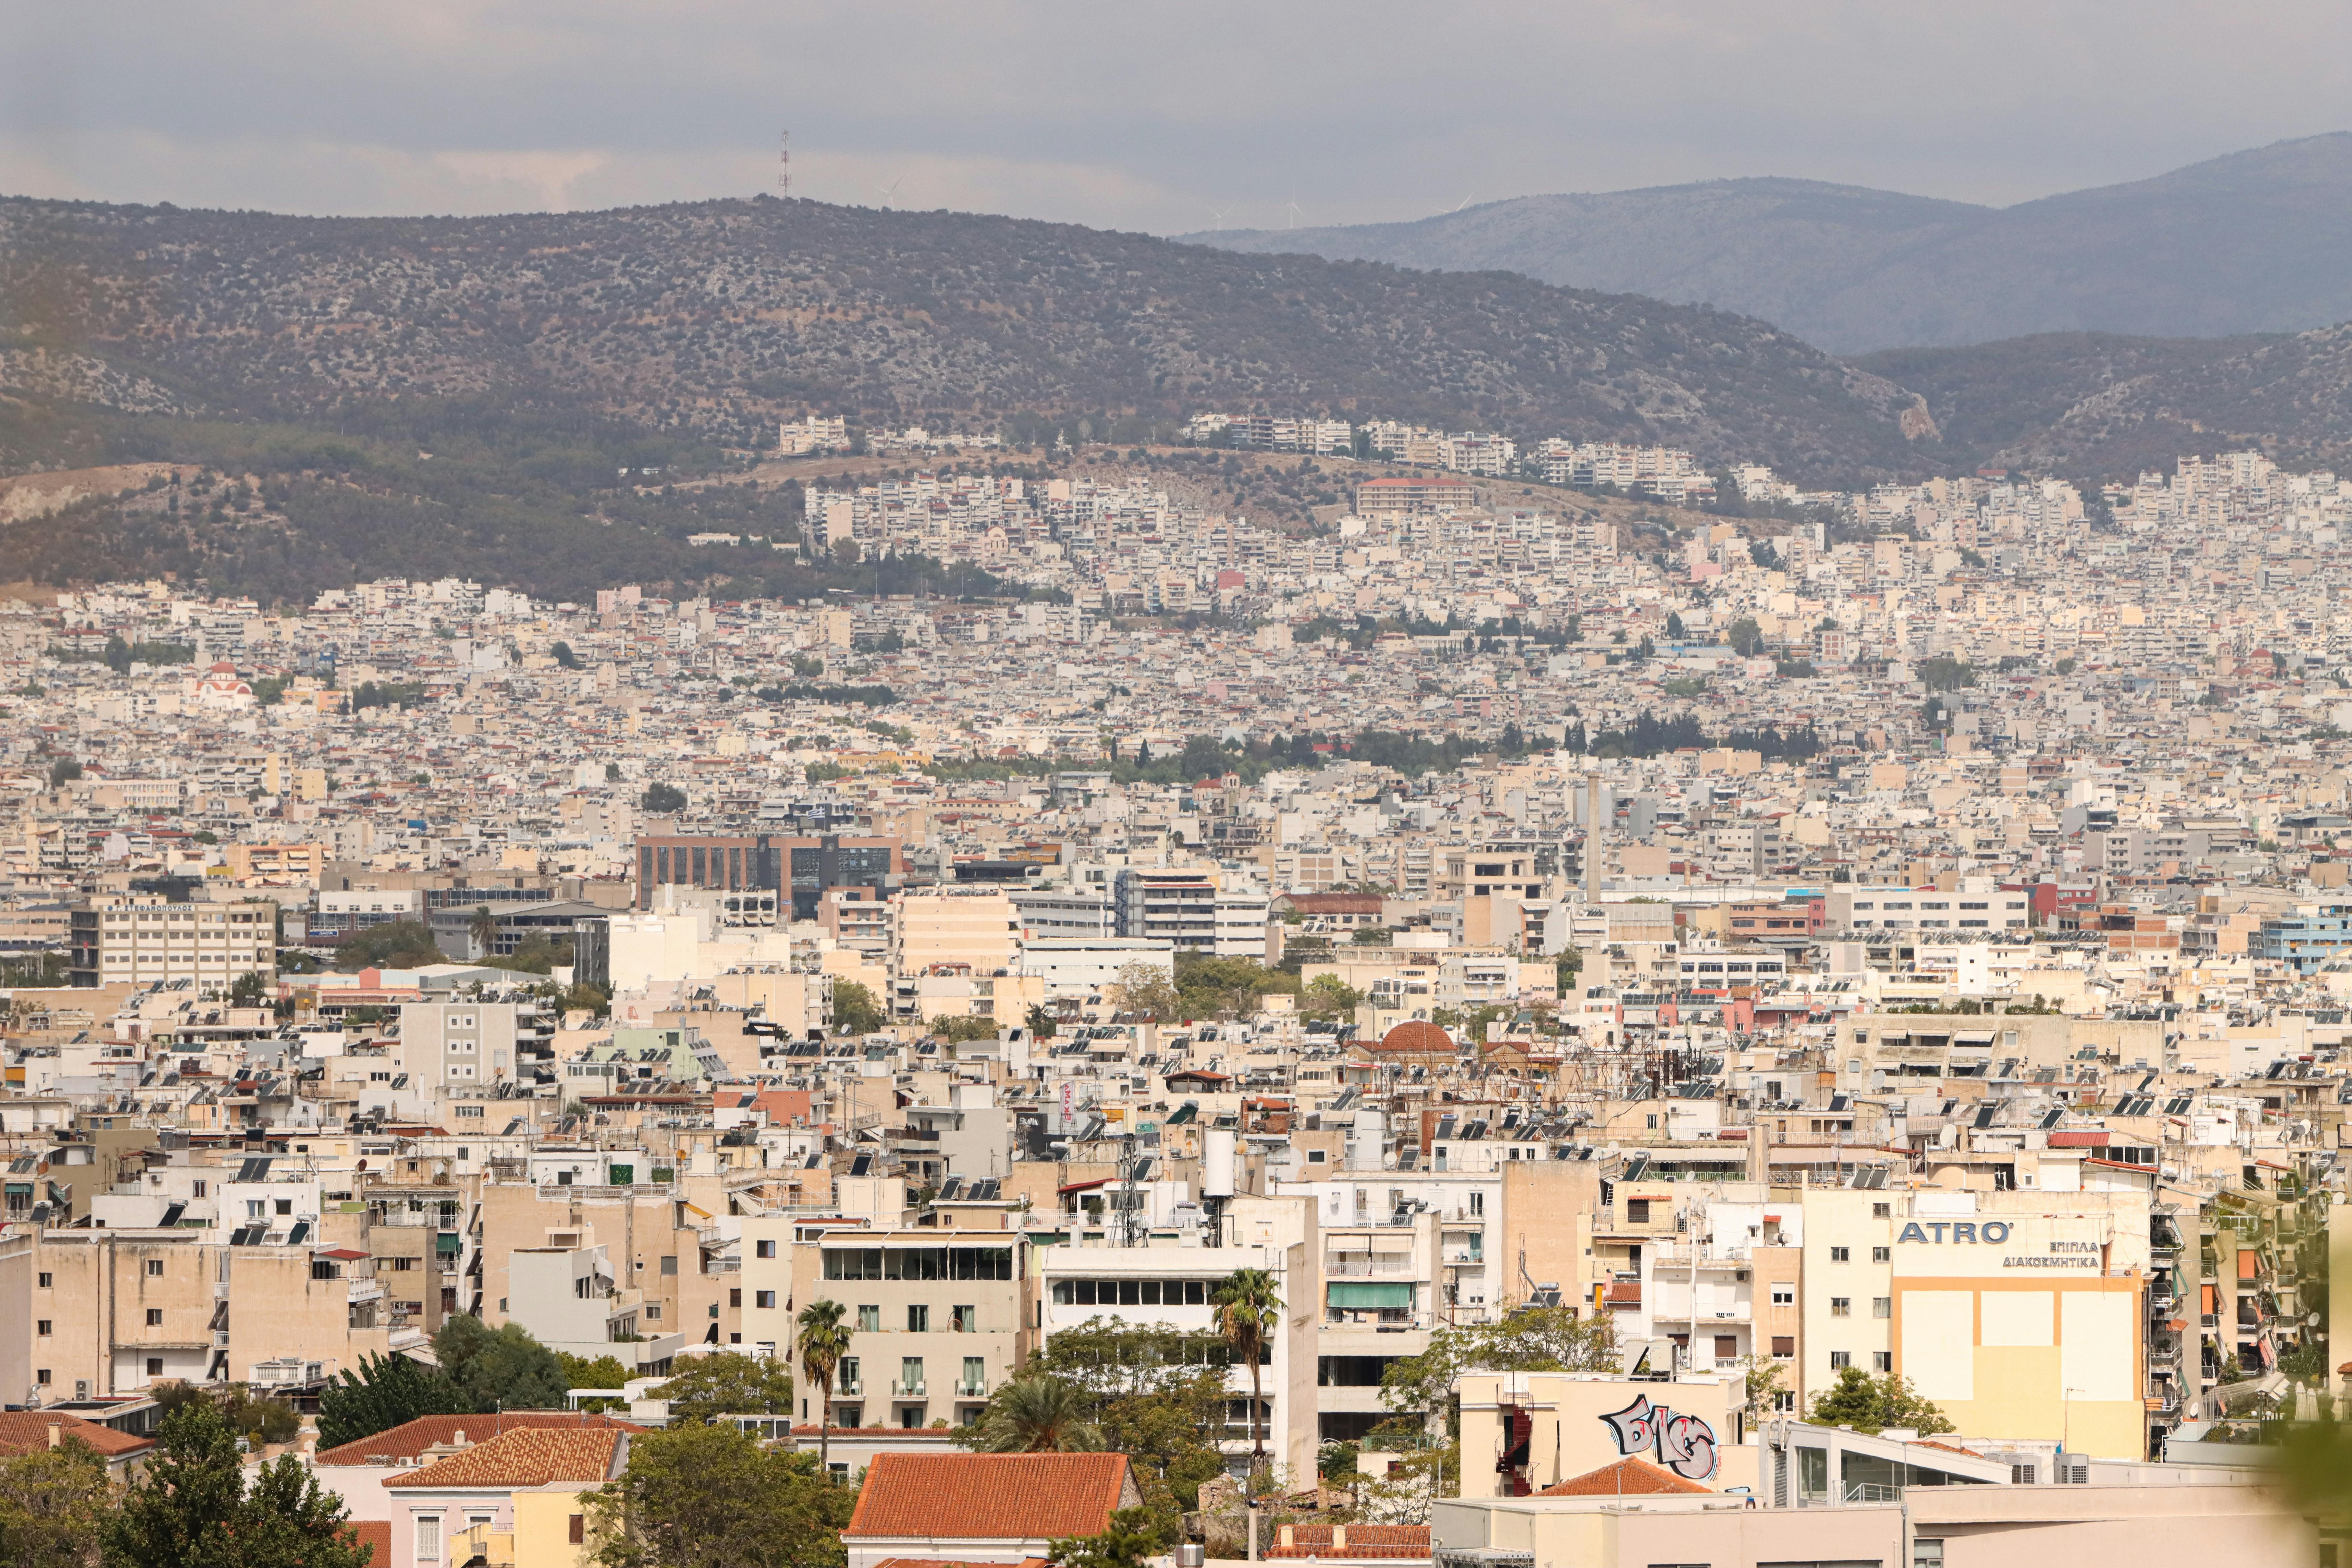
(784,163)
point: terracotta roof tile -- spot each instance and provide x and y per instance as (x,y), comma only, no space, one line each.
(528,1457)
(22,1431)
(375,1534)
(411,1439)
(1630,1476)
(990,1497)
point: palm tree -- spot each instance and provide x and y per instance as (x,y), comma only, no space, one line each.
(1039,1415)
(484,930)
(1247,1309)
(822,1342)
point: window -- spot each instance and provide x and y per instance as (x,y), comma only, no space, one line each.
(845,1375)
(1784,1347)
(1784,1400)
(975,1375)
(1840,1360)
(1841,1306)
(154,1366)
(1882,1254)
(155,1316)
(735,1296)
(919,1319)
(1882,1306)
(1478,1203)
(41,1375)
(1926,1553)
(1784,1293)
(1637,1211)
(1882,1361)
(579,1529)
(759,1249)
(49,1281)
(199,1189)
(1840,1254)
(964,1319)
(154,1269)
(253,1208)
(41,1327)
(764,1298)
(869,1320)
(910,1375)
(669,1265)
(1881,1211)
(428,1538)
(285,1206)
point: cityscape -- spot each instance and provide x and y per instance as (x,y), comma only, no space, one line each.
(699,871)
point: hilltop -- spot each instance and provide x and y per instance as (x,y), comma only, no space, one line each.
(2248,243)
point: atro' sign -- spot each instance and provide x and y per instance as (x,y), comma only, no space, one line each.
(1683,1444)
(1992,1233)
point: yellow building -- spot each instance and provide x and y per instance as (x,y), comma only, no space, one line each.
(511,1501)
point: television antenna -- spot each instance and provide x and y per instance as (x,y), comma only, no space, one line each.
(784,163)
(891,189)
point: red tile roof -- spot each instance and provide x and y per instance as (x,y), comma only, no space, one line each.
(375,1534)
(23,1431)
(1400,1540)
(411,1439)
(1630,1476)
(527,1456)
(990,1497)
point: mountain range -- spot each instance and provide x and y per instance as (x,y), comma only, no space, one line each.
(2254,242)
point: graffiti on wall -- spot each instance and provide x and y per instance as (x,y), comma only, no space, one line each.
(1683,1444)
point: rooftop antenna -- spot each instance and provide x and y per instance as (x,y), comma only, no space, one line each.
(891,189)
(784,163)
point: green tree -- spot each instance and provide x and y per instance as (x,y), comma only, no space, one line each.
(596,1371)
(1038,1414)
(663,799)
(1328,996)
(484,928)
(190,1507)
(1869,1404)
(395,944)
(712,1496)
(564,656)
(821,1340)
(855,1011)
(1131,1536)
(703,1388)
(964,1027)
(499,1369)
(1247,1312)
(118,654)
(1146,988)
(1043,1022)
(1371,936)
(1746,637)
(64,770)
(51,1503)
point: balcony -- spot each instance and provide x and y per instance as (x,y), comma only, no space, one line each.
(971,1390)
(850,1388)
(906,1390)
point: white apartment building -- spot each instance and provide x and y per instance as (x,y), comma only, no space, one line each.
(458,1043)
(1976,905)
(149,940)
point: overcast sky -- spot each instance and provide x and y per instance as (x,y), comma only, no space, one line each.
(1128,116)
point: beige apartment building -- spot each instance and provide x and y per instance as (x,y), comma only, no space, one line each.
(143,941)
(88,1313)
(671,1259)
(937,1319)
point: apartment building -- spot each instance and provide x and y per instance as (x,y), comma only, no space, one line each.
(144,940)
(1975,904)
(937,1319)
(459,1044)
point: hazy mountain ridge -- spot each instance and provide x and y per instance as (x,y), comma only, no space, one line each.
(2252,242)
(716,317)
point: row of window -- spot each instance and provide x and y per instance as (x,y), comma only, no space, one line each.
(1131,1293)
(918,1262)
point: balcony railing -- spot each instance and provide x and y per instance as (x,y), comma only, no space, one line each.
(907,1390)
(971,1390)
(850,1388)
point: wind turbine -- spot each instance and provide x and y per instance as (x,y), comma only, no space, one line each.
(1463,202)
(1296,211)
(891,189)
(1220,220)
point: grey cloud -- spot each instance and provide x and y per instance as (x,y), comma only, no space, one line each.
(1133,117)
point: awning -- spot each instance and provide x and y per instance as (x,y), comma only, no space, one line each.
(1082,1187)
(1365,1298)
